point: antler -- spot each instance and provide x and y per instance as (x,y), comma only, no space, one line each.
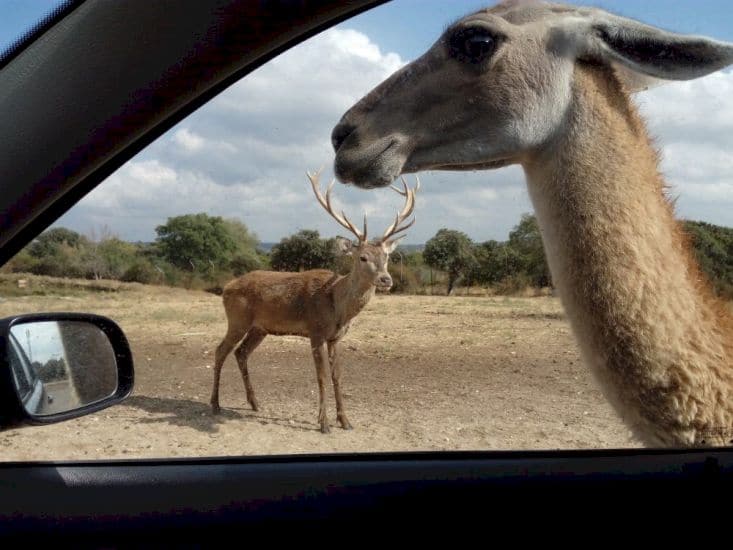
(409,195)
(326,203)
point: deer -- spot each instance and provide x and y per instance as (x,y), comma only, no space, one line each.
(317,304)
(548,87)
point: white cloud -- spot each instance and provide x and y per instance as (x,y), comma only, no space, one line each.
(189,141)
(245,155)
(692,123)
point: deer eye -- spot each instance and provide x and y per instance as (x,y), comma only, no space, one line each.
(472,44)
(363,258)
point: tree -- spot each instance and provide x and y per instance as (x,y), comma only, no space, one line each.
(713,249)
(495,261)
(58,253)
(450,251)
(404,267)
(304,250)
(245,257)
(142,271)
(48,242)
(108,258)
(526,240)
(22,262)
(196,242)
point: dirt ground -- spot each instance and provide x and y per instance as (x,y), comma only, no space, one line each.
(420,373)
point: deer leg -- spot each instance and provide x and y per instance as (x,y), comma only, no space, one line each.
(320,358)
(333,359)
(223,349)
(249,344)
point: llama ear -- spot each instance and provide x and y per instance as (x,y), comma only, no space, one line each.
(643,54)
(660,54)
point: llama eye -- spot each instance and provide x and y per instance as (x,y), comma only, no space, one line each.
(472,45)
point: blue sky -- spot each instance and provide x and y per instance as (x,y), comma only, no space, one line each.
(17,16)
(713,18)
(245,153)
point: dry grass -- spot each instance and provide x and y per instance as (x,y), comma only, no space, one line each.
(421,373)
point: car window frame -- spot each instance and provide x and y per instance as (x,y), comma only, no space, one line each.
(119,501)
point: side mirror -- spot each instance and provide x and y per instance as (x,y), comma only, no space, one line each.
(58,366)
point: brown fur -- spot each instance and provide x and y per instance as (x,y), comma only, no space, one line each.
(316,304)
(649,326)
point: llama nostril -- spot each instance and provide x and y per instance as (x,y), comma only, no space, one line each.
(342,131)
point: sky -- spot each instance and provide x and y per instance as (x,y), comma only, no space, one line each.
(40,340)
(244,155)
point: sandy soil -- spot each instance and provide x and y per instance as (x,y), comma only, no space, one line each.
(420,373)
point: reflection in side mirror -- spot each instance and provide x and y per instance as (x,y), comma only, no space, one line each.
(60,366)
(64,365)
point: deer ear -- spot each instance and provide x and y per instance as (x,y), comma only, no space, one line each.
(648,50)
(344,246)
(390,246)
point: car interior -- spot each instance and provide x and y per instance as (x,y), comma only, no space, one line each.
(83,92)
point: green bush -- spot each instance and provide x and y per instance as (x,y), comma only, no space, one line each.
(64,261)
(302,251)
(513,284)
(142,271)
(245,262)
(713,250)
(452,252)
(22,262)
(196,242)
(404,279)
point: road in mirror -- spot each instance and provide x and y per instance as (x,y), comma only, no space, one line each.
(60,366)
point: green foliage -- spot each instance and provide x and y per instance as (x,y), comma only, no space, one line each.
(51,370)
(713,249)
(63,260)
(245,257)
(244,240)
(404,267)
(142,270)
(302,251)
(22,262)
(483,269)
(405,278)
(109,258)
(526,240)
(450,251)
(49,242)
(245,262)
(203,252)
(412,259)
(196,242)
(513,283)
(518,261)
(56,252)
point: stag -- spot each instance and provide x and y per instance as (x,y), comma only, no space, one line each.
(317,304)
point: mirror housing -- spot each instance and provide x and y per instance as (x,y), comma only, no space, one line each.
(59,366)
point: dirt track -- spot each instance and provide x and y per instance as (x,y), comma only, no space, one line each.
(420,373)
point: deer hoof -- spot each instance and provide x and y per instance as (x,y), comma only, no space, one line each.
(325,429)
(215,409)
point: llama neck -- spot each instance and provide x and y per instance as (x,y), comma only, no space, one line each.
(658,342)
